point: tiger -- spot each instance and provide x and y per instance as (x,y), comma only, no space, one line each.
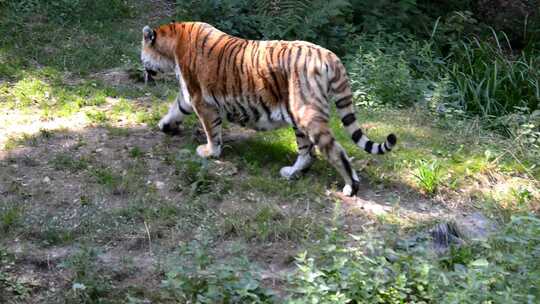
(258,84)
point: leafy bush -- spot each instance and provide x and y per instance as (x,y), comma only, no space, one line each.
(401,16)
(381,71)
(235,17)
(500,270)
(319,21)
(198,278)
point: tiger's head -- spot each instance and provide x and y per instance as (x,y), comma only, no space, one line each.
(157,52)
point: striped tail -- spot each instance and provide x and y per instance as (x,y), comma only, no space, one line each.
(341,90)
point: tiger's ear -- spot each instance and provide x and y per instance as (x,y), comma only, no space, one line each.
(149,34)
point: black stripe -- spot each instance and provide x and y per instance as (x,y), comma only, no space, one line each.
(243,57)
(280,59)
(216,122)
(380,150)
(289,54)
(306,63)
(303,147)
(215,100)
(184,111)
(197,36)
(346,164)
(368,146)
(256,114)
(337,77)
(342,86)
(386,147)
(205,39)
(357,135)
(254,52)
(287,107)
(216,43)
(266,109)
(235,49)
(221,53)
(348,119)
(277,92)
(245,116)
(319,86)
(344,102)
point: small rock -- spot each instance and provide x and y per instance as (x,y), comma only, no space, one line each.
(160,185)
(47,179)
(471,227)
(476,226)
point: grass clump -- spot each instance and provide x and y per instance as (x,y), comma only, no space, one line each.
(89,285)
(197,277)
(66,162)
(428,176)
(489,82)
(268,223)
(11,216)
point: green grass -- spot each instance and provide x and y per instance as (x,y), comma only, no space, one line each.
(66,162)
(10,217)
(429,176)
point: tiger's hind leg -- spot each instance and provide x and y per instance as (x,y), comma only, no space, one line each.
(320,135)
(305,157)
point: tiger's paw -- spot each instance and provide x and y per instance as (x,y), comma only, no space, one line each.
(289,173)
(351,190)
(205,151)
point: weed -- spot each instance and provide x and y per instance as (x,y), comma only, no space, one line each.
(89,285)
(115,131)
(10,285)
(10,216)
(135,152)
(428,176)
(64,161)
(197,277)
(194,173)
(97,117)
(53,233)
(522,195)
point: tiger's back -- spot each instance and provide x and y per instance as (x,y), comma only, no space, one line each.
(251,80)
(259,84)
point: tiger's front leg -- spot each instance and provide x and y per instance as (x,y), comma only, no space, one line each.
(169,123)
(211,121)
(305,157)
